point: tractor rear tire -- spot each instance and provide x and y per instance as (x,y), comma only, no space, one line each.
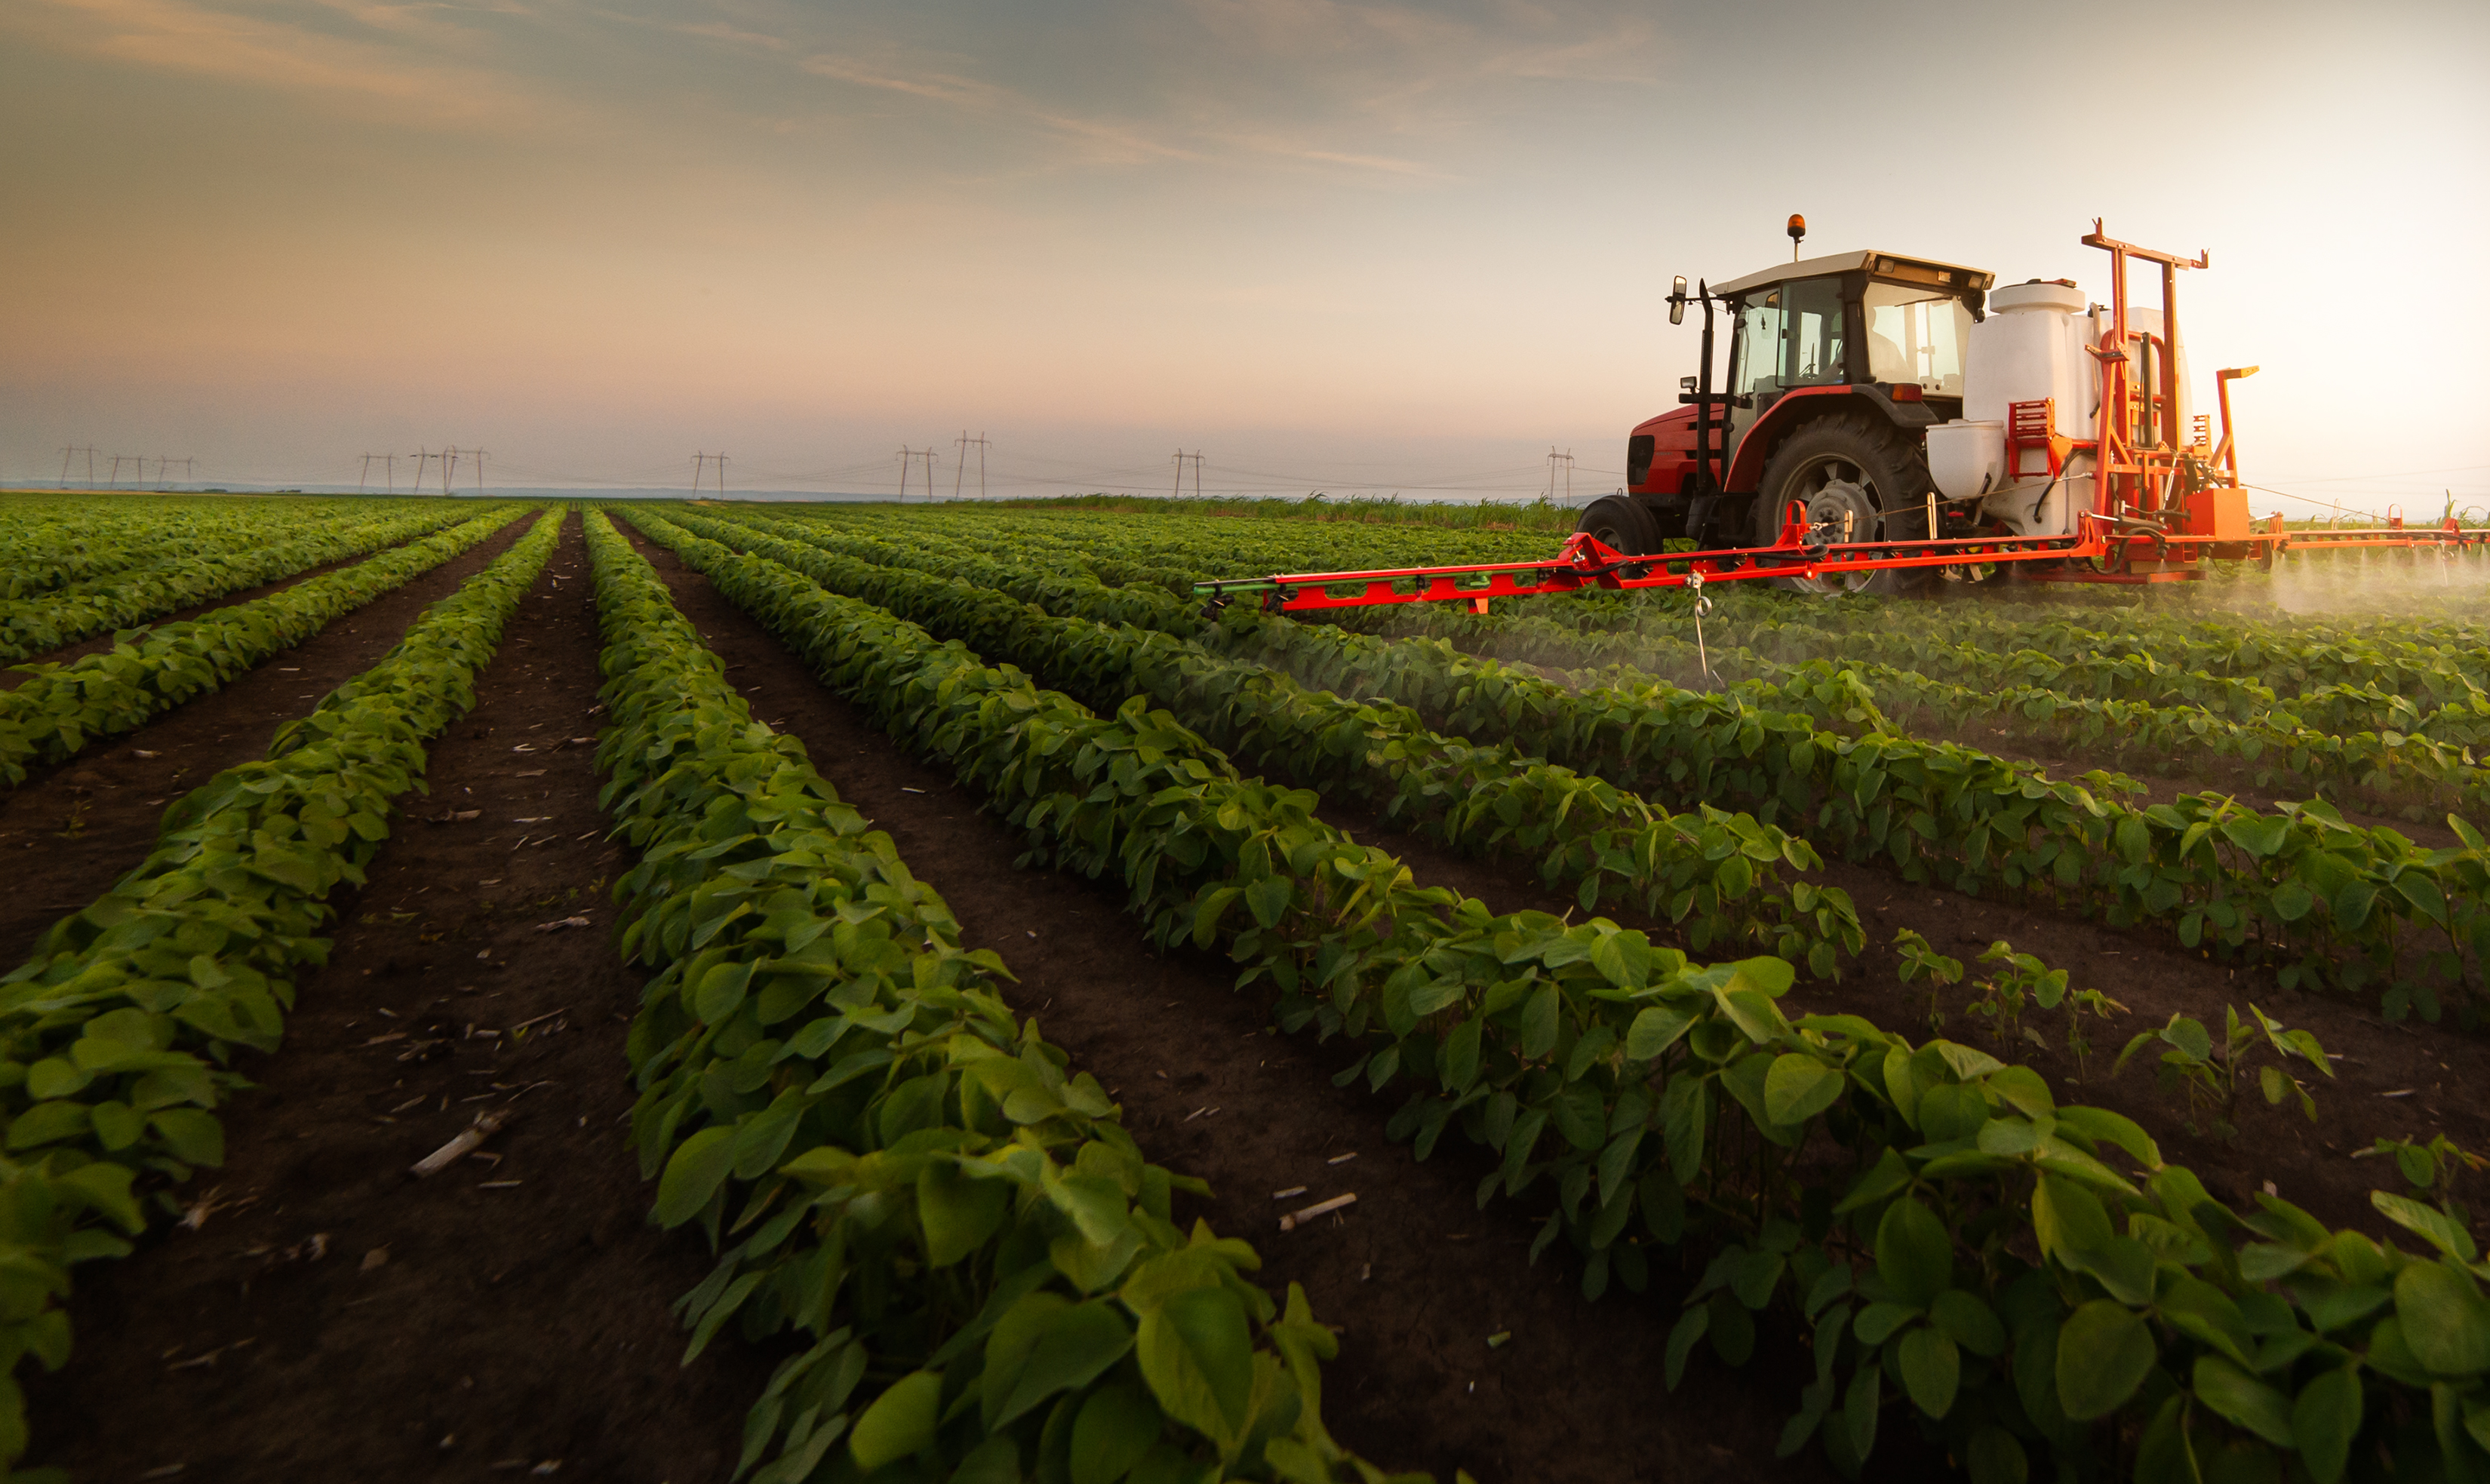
(1621,523)
(1861,464)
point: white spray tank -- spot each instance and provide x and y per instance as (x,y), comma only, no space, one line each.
(2034,344)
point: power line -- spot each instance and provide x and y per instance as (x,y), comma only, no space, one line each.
(960,473)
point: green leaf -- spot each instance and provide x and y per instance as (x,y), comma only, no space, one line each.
(2260,835)
(1688,1330)
(2325,1420)
(900,1422)
(1968,1322)
(192,1135)
(2244,1399)
(1656,1029)
(1116,1425)
(2445,1321)
(1859,1409)
(693,1174)
(1995,1457)
(1914,1253)
(1268,899)
(2427,1222)
(721,992)
(2104,1351)
(958,1210)
(1931,1370)
(1799,1086)
(1198,1359)
(1073,1347)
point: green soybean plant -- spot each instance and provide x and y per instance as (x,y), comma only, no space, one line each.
(2210,1075)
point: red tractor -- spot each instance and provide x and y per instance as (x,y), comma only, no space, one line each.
(1890,422)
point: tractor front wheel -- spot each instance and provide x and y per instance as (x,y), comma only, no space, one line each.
(1853,472)
(1622,525)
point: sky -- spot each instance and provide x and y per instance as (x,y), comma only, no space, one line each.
(1354,247)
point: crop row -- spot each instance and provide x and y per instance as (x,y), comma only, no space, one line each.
(117,1036)
(46,545)
(2336,899)
(34,625)
(2431,664)
(55,713)
(1717,874)
(2224,662)
(982,1269)
(2402,763)
(1989,1272)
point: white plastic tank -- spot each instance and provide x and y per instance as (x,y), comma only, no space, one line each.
(1966,459)
(2033,345)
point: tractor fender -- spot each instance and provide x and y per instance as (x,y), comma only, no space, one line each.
(1802,405)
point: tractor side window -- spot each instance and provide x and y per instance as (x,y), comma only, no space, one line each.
(1761,353)
(1813,333)
(1915,336)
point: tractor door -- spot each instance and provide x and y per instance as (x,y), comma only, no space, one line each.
(1788,335)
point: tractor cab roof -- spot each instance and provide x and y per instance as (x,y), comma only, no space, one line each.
(1882,265)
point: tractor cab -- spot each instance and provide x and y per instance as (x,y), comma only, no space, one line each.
(1873,341)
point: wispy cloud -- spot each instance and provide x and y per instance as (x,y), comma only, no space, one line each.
(196,40)
(1100,140)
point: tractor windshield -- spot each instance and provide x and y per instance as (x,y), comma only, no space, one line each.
(1915,336)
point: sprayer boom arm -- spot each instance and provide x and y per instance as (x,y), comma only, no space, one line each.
(1803,551)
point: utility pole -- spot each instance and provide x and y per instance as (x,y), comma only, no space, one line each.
(908,456)
(389,467)
(1553,459)
(1181,459)
(477,454)
(67,454)
(448,466)
(117,459)
(962,475)
(421,460)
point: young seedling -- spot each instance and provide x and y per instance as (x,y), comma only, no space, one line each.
(1920,961)
(2430,1169)
(2210,1075)
(2022,980)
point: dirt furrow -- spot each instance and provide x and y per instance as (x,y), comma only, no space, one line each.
(1417,1277)
(68,832)
(332,1316)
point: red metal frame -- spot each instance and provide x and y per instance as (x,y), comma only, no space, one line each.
(1585,561)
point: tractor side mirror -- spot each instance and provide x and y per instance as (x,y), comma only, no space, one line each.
(1677,301)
